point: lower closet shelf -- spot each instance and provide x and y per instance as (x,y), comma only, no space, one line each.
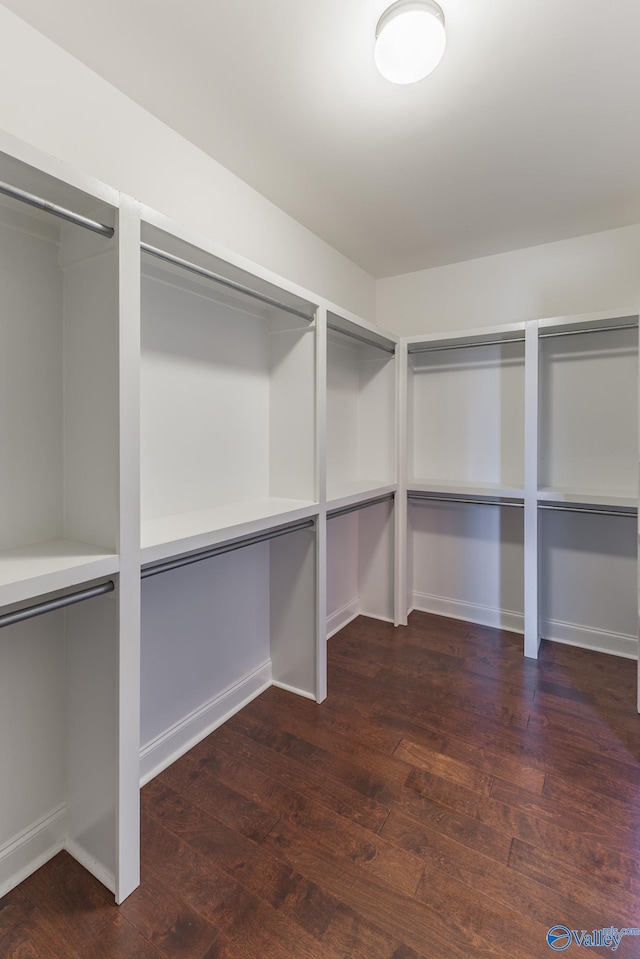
(186,532)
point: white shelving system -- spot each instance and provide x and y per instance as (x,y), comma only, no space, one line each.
(68,782)
(361,470)
(229,492)
(228,400)
(203,465)
(465,475)
(361,411)
(587,491)
(522,450)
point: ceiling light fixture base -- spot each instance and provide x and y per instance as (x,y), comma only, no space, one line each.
(410,40)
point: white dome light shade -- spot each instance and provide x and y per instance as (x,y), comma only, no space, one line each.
(410,40)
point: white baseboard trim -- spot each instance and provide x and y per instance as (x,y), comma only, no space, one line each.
(91,864)
(342,617)
(294,689)
(469,612)
(31,848)
(615,644)
(183,735)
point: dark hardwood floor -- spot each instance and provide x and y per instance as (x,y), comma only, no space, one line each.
(449,800)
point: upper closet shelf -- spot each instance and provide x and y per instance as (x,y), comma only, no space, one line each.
(360,491)
(186,532)
(200,267)
(487,336)
(489,491)
(586,323)
(362,332)
(30,571)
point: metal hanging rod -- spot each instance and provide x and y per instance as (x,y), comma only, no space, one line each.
(157,568)
(69,600)
(595,329)
(362,338)
(561,508)
(17,194)
(464,499)
(343,510)
(223,281)
(463,346)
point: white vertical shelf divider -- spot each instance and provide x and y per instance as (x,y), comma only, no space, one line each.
(321,404)
(128,805)
(531,626)
(321,495)
(401,518)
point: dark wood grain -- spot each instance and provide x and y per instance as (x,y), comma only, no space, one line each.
(82,913)
(158,911)
(37,938)
(15,909)
(354,937)
(449,800)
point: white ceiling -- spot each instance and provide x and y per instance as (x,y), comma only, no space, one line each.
(529,131)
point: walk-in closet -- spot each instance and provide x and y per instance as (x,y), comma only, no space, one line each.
(208,470)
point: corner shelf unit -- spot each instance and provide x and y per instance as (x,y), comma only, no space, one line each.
(465,475)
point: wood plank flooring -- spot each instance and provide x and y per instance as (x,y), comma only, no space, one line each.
(449,800)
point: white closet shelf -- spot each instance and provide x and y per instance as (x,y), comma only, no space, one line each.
(185,532)
(358,491)
(491,490)
(361,332)
(625,499)
(484,336)
(30,571)
(586,323)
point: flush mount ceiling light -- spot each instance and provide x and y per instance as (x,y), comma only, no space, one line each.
(410,40)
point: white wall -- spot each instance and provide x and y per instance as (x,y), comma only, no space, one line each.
(582,275)
(58,105)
